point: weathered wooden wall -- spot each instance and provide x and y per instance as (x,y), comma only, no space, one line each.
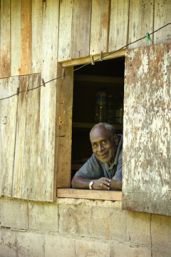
(28,134)
(34,36)
(147,130)
(85,28)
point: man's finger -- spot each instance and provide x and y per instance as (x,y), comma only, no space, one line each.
(104,186)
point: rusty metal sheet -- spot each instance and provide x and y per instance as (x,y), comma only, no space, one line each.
(147,129)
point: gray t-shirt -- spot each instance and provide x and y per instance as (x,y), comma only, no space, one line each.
(95,169)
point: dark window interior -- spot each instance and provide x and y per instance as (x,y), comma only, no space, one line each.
(106,75)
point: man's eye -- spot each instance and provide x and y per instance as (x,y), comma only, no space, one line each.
(103,142)
(95,145)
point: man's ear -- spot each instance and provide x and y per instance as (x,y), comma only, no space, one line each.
(116,139)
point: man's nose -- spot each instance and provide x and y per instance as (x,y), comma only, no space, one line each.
(100,148)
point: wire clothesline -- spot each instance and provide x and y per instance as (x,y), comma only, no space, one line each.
(100,58)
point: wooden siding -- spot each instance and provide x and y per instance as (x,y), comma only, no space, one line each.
(85,28)
(8,114)
(147,130)
(26,178)
(118,32)
(65,131)
(34,36)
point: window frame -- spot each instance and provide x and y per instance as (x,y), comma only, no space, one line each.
(64,135)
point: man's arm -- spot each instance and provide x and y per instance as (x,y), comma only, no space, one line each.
(99,184)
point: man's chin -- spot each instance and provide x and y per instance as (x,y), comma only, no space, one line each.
(103,159)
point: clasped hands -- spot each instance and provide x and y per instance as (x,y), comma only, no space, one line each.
(102,184)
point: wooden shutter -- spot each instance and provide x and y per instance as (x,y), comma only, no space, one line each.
(147,130)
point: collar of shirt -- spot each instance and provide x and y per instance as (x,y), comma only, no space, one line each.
(117,154)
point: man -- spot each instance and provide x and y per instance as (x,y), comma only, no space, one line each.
(103,171)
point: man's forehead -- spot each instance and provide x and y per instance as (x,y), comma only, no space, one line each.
(99,131)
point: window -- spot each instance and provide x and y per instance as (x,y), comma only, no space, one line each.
(109,75)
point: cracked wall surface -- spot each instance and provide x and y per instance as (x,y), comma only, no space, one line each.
(80,228)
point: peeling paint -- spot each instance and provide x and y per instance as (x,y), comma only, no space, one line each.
(147,120)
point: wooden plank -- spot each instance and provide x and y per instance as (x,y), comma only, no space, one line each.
(48,100)
(99,27)
(26,35)
(8,114)
(5,38)
(15,37)
(64,52)
(140,22)
(20,138)
(85,60)
(147,130)
(118,24)
(90,125)
(37,19)
(80,38)
(99,79)
(26,178)
(90,194)
(162,17)
(65,131)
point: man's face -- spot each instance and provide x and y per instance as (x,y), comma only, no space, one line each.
(104,145)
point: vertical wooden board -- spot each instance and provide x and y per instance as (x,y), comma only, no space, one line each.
(140,22)
(80,38)
(8,113)
(64,51)
(147,131)
(15,37)
(162,15)
(37,19)
(20,138)
(26,36)
(48,100)
(30,177)
(25,182)
(5,38)
(118,30)
(99,26)
(65,131)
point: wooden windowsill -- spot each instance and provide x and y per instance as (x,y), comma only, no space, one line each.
(89,194)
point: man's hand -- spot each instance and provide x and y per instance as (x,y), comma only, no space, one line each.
(101,184)
(116,185)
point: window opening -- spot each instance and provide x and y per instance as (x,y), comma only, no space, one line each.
(106,77)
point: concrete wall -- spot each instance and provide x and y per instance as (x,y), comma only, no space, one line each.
(80,228)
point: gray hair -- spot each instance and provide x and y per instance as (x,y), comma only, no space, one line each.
(109,127)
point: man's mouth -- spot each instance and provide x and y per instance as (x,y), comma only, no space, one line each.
(103,155)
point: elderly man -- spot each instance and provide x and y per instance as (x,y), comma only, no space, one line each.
(103,171)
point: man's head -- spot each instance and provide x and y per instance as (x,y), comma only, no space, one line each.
(104,141)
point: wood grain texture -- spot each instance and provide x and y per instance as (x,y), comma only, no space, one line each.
(48,100)
(15,37)
(140,22)
(26,36)
(65,131)
(37,19)
(99,26)
(118,24)
(66,9)
(5,33)
(26,181)
(90,194)
(162,17)
(8,114)
(80,38)
(147,130)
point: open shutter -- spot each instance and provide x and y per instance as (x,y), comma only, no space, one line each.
(147,130)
